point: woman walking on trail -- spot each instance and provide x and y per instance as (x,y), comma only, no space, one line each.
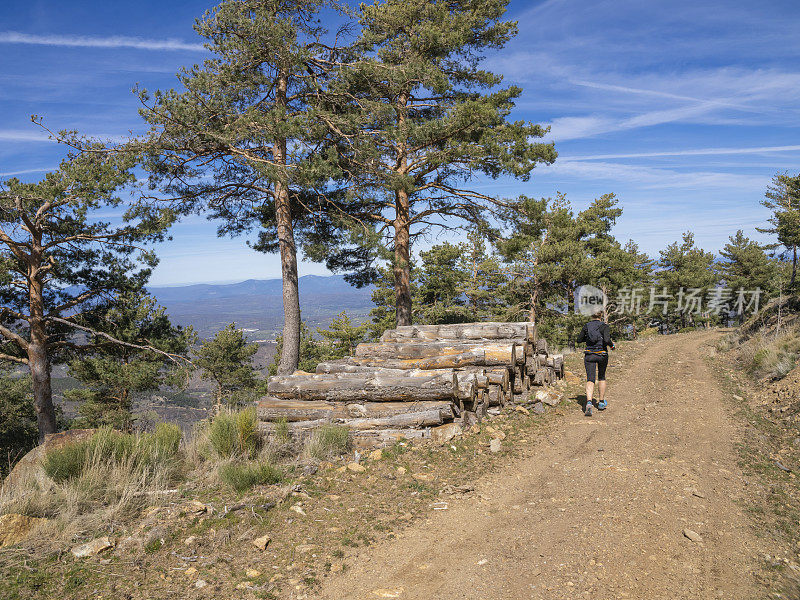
(597,337)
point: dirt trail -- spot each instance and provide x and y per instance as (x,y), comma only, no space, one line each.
(598,508)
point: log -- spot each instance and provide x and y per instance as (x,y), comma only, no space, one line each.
(412,420)
(540,377)
(345,369)
(495,396)
(452,361)
(499,378)
(541,346)
(366,387)
(378,438)
(273,409)
(504,353)
(369,438)
(467,389)
(462,331)
(493,375)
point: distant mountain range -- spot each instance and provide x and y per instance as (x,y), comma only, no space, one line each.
(257,304)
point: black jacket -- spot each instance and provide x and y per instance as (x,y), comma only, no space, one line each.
(597,336)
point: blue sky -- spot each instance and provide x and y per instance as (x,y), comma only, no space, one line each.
(684,109)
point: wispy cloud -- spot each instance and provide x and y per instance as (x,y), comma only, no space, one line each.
(27,171)
(690,152)
(22,135)
(570,128)
(81,41)
(643,177)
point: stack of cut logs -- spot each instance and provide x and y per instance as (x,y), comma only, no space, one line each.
(416,378)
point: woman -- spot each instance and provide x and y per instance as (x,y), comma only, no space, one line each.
(597,336)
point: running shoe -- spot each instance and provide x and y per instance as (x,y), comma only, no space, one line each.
(602,405)
(588,411)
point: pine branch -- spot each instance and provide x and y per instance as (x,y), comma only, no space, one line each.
(16,359)
(176,358)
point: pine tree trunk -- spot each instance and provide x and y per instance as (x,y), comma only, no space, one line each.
(402,231)
(39,361)
(290,354)
(794,267)
(402,262)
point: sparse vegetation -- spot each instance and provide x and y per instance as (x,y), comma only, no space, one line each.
(243,476)
(144,453)
(326,442)
(235,434)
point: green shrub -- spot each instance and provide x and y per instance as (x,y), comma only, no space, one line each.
(282,431)
(327,441)
(247,430)
(109,447)
(222,435)
(67,462)
(235,434)
(243,476)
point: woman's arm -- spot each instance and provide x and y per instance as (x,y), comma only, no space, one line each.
(607,337)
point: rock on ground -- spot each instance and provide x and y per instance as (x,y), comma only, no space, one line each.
(91,548)
(15,528)
(29,463)
(549,397)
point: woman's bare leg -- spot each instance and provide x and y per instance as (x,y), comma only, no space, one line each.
(601,389)
(590,390)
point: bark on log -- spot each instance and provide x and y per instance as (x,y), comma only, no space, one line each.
(453,361)
(368,387)
(369,438)
(378,438)
(344,370)
(462,331)
(504,353)
(412,420)
(272,409)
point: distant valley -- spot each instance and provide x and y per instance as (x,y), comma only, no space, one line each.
(256,305)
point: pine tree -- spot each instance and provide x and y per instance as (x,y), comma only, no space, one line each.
(746,266)
(245,140)
(61,262)
(611,267)
(343,336)
(18,431)
(545,260)
(483,277)
(312,352)
(384,315)
(227,360)
(114,373)
(440,284)
(682,268)
(783,199)
(424,122)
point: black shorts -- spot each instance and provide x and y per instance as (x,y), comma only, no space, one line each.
(592,360)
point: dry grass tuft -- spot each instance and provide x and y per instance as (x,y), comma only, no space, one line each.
(326,442)
(98,482)
(765,354)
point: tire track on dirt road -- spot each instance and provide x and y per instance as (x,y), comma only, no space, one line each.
(598,510)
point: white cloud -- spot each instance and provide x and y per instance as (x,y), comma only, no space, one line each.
(27,171)
(81,41)
(655,178)
(691,152)
(570,128)
(22,135)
